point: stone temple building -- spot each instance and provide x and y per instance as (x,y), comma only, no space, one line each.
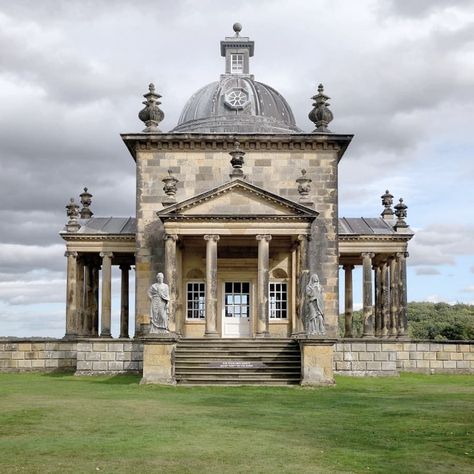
(238,208)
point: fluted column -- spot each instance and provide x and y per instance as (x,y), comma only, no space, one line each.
(402,294)
(367,294)
(211,285)
(348,300)
(385,299)
(393,297)
(106,307)
(378,300)
(171,277)
(262,284)
(71,294)
(124,300)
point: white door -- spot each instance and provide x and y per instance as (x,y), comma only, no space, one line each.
(236,309)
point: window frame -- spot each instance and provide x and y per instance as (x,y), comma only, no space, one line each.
(280,292)
(237,66)
(196,298)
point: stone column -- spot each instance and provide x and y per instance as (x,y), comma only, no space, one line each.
(378,300)
(105,317)
(88,298)
(303,276)
(402,294)
(294,322)
(393,297)
(171,277)
(95,300)
(211,285)
(124,292)
(367,295)
(348,300)
(385,299)
(262,285)
(71,294)
(81,313)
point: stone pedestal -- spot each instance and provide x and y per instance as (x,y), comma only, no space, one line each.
(158,360)
(316,361)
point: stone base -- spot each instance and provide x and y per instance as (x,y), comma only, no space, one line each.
(316,361)
(158,360)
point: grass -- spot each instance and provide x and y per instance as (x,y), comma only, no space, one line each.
(66,424)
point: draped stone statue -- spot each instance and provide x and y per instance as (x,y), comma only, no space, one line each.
(314,308)
(159,295)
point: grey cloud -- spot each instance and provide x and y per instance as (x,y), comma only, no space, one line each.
(427,271)
(468,289)
(472,269)
(419,8)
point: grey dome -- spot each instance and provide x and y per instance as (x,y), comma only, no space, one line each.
(237,104)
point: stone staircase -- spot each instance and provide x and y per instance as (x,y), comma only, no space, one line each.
(238,362)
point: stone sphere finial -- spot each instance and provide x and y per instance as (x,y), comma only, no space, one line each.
(321,115)
(151,115)
(237,28)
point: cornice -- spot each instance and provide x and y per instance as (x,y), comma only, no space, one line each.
(137,142)
(98,238)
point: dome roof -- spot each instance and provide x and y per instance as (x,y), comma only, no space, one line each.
(237,104)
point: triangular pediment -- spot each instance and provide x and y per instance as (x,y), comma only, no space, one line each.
(237,199)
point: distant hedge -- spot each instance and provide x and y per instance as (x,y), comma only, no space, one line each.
(435,321)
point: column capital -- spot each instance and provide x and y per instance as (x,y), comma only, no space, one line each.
(174,237)
(70,253)
(266,237)
(400,254)
(106,254)
(302,237)
(213,237)
(368,255)
(348,267)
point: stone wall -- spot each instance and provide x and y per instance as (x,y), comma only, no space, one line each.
(376,357)
(354,357)
(99,357)
(44,355)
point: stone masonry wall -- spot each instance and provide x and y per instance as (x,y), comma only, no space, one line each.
(274,170)
(44,355)
(362,357)
(99,357)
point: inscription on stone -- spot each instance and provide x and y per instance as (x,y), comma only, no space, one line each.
(237,364)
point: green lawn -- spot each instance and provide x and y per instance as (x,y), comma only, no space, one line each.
(62,423)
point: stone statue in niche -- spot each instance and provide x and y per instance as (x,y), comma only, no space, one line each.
(314,308)
(159,295)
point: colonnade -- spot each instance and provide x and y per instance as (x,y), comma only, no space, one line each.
(84,318)
(384,295)
(211,301)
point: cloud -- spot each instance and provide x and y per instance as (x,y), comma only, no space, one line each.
(427,271)
(421,8)
(16,258)
(468,289)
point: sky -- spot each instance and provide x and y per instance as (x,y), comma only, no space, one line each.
(400,74)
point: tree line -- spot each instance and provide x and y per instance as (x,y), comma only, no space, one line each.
(429,321)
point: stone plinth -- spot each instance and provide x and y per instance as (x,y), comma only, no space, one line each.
(316,360)
(158,360)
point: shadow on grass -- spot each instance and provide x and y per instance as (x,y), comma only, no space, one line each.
(122,379)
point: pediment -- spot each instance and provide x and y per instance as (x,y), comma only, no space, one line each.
(236,200)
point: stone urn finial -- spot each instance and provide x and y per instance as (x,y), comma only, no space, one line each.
(387,201)
(170,188)
(237,161)
(86,201)
(72,210)
(401,213)
(151,115)
(321,116)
